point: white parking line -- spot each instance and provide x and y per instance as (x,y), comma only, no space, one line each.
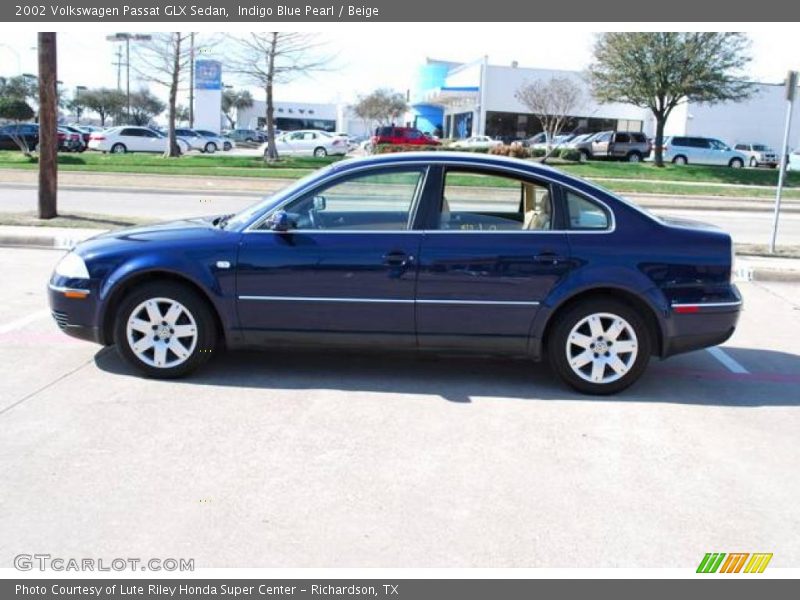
(22,321)
(728,362)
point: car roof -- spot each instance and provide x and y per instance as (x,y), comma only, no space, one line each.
(464,158)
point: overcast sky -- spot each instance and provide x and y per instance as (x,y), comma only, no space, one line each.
(387,55)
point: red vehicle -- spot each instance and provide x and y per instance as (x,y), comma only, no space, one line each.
(410,136)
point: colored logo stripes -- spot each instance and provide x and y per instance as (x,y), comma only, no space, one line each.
(720,562)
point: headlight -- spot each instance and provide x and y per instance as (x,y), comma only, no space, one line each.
(72,267)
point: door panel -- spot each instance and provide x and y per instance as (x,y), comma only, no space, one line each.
(328,287)
(482,289)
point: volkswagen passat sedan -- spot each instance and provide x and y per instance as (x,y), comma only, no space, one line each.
(423,251)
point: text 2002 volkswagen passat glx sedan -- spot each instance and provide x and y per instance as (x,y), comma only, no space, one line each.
(426,251)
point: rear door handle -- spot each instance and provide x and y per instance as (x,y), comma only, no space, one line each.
(548,258)
(397,258)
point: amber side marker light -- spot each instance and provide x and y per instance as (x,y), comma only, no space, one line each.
(76,294)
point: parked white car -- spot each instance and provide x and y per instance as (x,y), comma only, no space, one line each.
(794,161)
(120,140)
(683,150)
(308,142)
(759,155)
(477,142)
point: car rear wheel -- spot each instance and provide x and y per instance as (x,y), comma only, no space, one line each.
(634,157)
(164,330)
(583,156)
(119,149)
(227,146)
(753,162)
(320,152)
(736,163)
(211,147)
(680,160)
(599,346)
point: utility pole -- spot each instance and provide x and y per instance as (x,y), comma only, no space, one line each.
(191,81)
(119,64)
(791,91)
(127,38)
(48,126)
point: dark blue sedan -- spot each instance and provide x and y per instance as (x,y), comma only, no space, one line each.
(419,251)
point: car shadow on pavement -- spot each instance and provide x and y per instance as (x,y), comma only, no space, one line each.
(695,378)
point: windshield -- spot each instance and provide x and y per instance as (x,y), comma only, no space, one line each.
(247,215)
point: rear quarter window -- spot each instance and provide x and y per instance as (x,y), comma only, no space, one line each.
(585,215)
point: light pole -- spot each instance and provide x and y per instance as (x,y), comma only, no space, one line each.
(78,90)
(127,38)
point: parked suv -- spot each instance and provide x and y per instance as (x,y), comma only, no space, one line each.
(631,146)
(683,150)
(403,135)
(759,155)
(247,135)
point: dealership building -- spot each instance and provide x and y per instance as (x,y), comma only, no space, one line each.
(477,98)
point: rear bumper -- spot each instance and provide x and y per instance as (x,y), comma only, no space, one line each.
(696,326)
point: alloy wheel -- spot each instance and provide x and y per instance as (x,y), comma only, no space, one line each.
(601,348)
(161,332)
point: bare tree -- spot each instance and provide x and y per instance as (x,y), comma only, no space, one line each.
(381,106)
(165,60)
(553,102)
(266,59)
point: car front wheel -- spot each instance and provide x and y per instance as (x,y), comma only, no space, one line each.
(320,152)
(211,147)
(599,346)
(164,330)
(736,163)
(753,163)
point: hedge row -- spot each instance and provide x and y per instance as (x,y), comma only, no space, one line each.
(514,150)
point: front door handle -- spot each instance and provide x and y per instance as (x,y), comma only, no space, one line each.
(397,258)
(548,258)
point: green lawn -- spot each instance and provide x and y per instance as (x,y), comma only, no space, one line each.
(635,178)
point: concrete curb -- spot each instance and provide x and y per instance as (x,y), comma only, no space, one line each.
(64,240)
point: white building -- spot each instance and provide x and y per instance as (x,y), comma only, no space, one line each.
(303,115)
(477,98)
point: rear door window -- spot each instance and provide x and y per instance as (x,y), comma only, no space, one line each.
(476,201)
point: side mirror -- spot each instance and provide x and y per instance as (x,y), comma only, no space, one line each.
(320,203)
(279,221)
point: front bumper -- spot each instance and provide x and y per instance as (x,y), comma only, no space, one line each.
(75,314)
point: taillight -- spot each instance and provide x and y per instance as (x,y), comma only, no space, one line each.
(97,137)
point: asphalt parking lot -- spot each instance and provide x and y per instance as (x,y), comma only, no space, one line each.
(361,460)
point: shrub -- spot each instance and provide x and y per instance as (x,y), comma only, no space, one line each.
(570,154)
(538,152)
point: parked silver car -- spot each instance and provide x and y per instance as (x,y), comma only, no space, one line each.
(759,155)
(683,150)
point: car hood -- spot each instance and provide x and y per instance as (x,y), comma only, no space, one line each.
(181,230)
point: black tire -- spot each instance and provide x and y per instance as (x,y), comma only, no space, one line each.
(557,348)
(210,148)
(753,162)
(320,152)
(198,308)
(118,149)
(736,163)
(227,146)
(634,157)
(680,160)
